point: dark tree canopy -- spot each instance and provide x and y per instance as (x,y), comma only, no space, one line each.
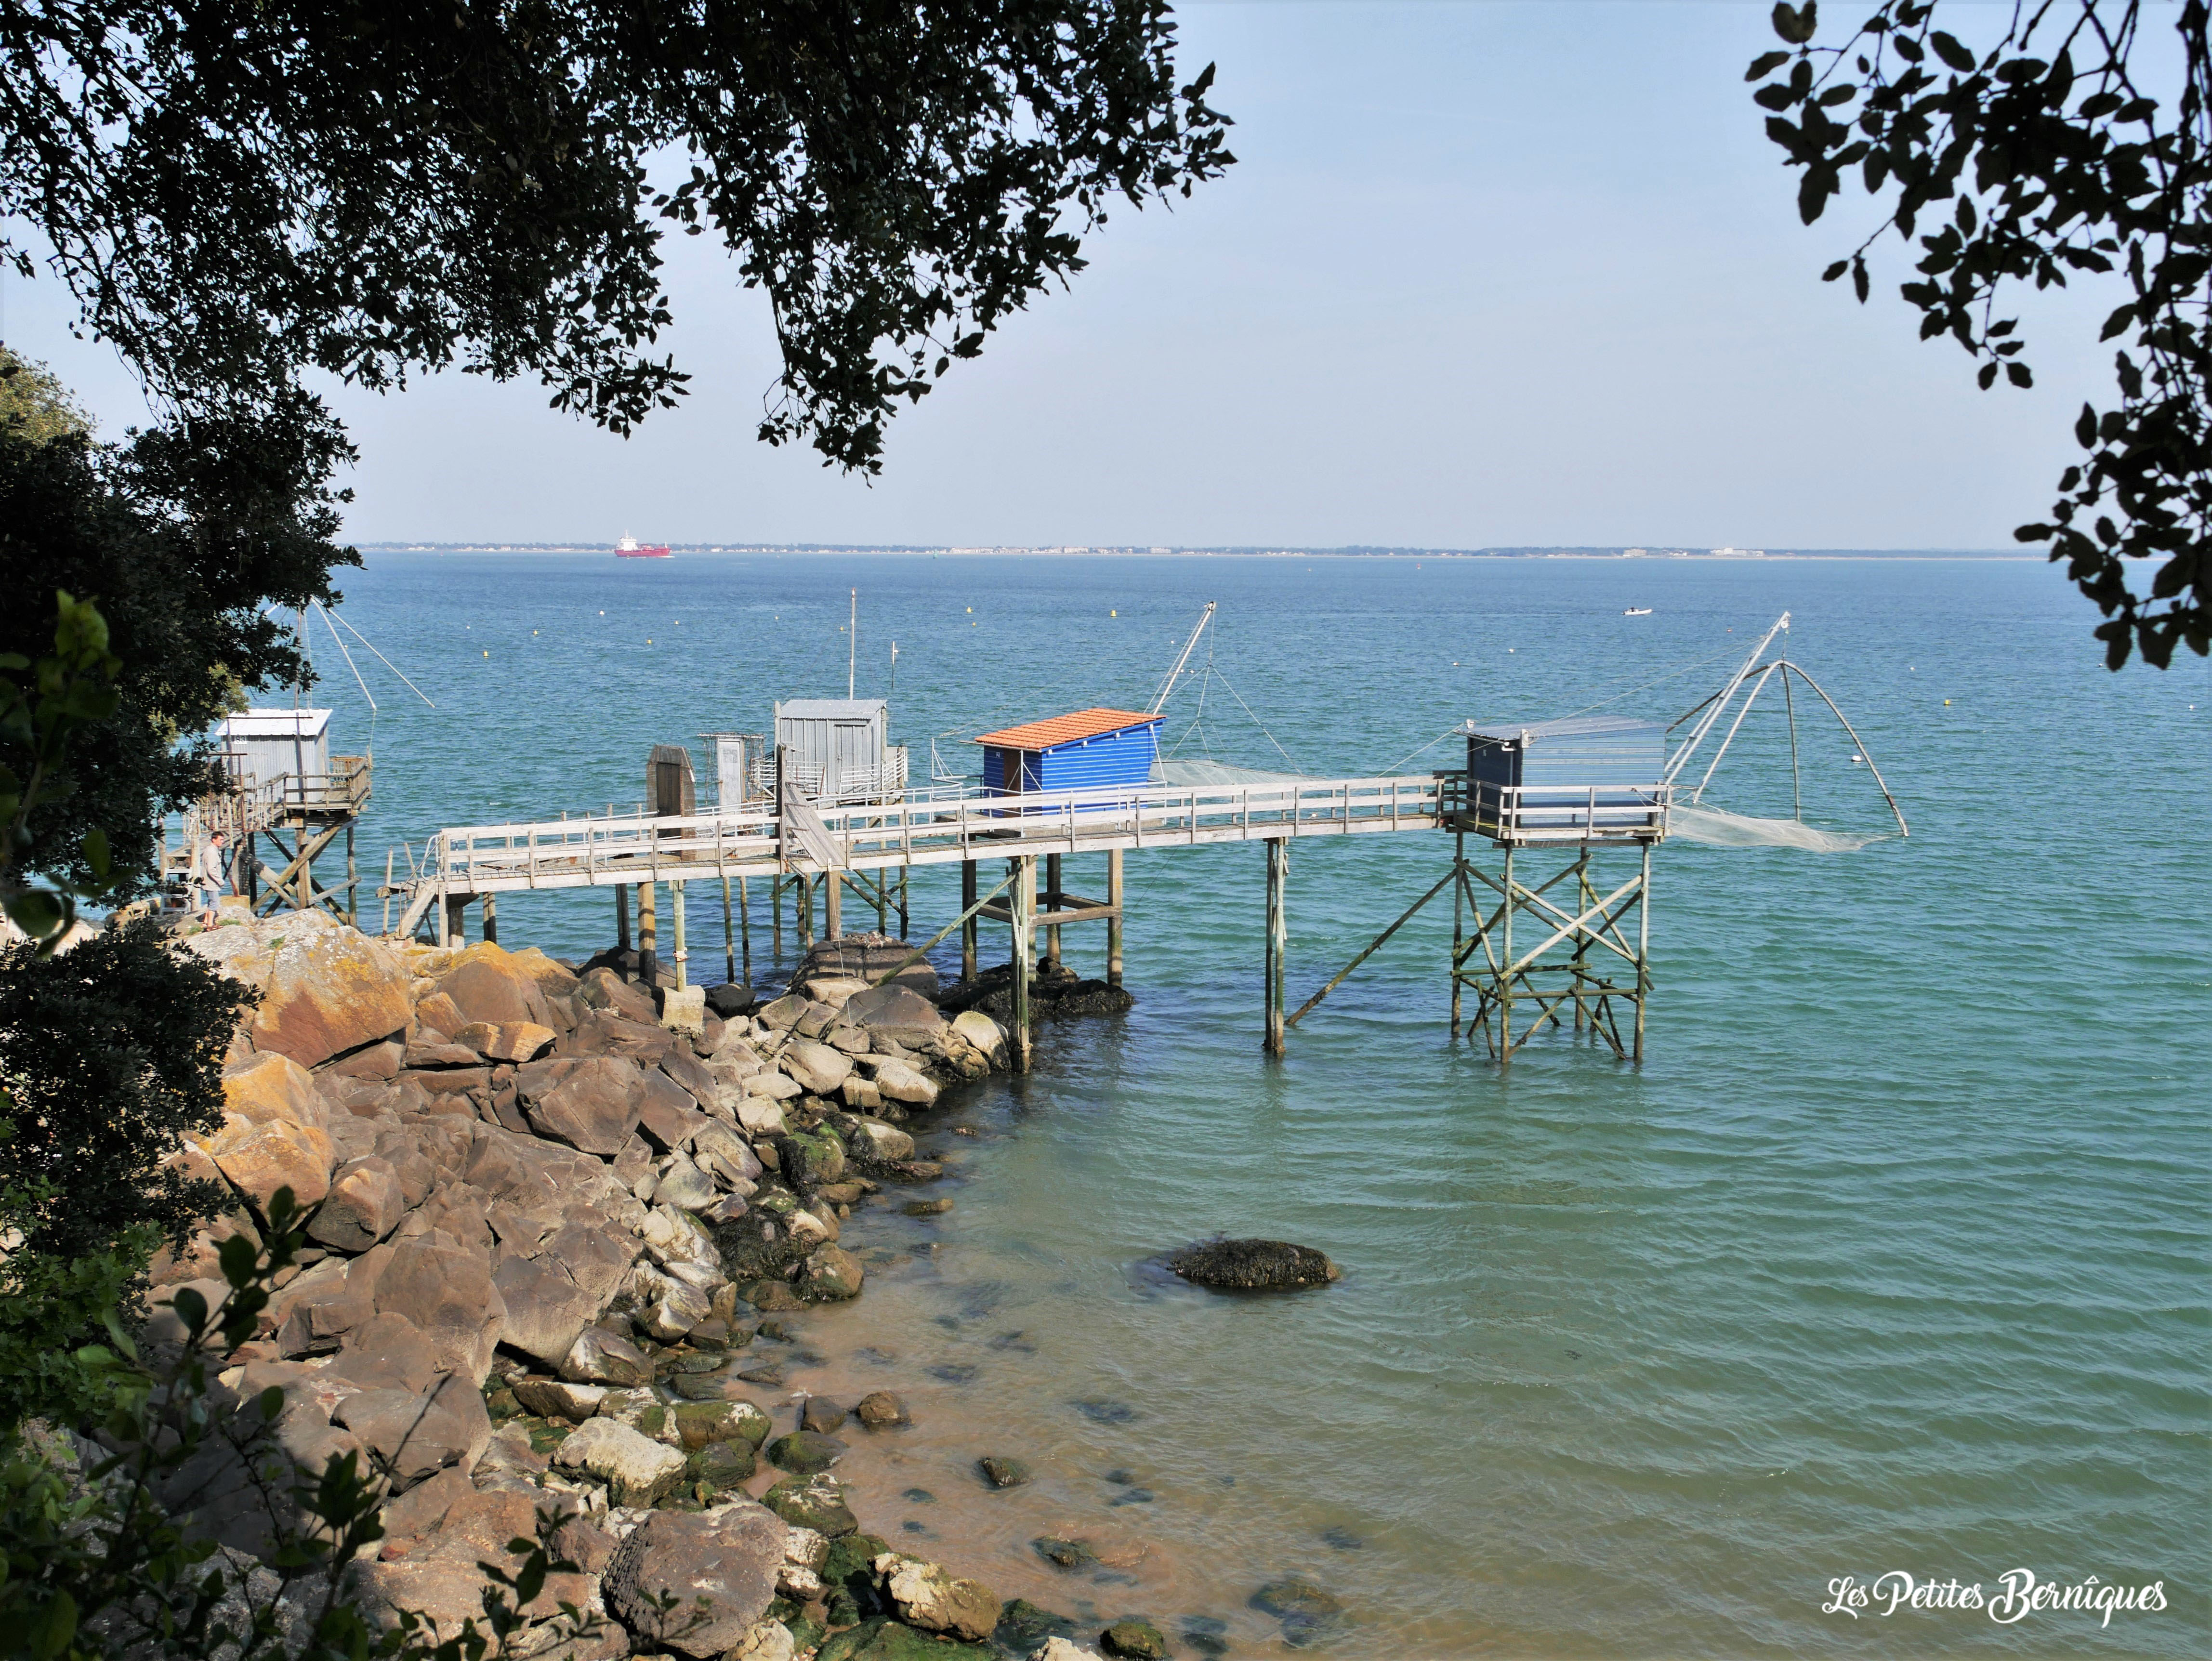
(2041,157)
(367,186)
(109,1052)
(180,537)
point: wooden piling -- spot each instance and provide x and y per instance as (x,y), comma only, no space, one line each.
(729,934)
(353,880)
(621,917)
(904,871)
(491,918)
(1052,904)
(1642,948)
(1113,919)
(648,933)
(970,929)
(1504,996)
(683,957)
(1459,925)
(1277,940)
(833,908)
(745,931)
(1024,908)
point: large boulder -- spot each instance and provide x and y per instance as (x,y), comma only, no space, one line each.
(600,1357)
(257,1159)
(898,1081)
(417,1435)
(448,1292)
(637,1470)
(979,1030)
(328,991)
(1254,1265)
(442,1584)
(813,1502)
(364,1204)
(695,1583)
(274,1090)
(930,1599)
(896,1012)
(883,1141)
(818,1069)
(546,1309)
(509,1041)
(591,1104)
(487,984)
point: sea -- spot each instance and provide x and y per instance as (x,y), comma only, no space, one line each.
(1880,1283)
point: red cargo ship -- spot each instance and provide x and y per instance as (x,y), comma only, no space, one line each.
(630,547)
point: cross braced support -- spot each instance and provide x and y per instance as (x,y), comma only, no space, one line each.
(1561,977)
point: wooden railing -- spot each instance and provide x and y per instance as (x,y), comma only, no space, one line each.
(1552,814)
(925,828)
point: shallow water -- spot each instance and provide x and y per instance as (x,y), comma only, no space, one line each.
(1892,1255)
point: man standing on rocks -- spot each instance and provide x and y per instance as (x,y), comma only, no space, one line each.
(207,877)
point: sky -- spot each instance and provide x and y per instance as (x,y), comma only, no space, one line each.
(1485,274)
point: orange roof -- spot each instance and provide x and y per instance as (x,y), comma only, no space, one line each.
(1065,729)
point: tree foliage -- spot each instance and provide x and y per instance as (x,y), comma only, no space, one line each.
(181,537)
(109,1054)
(2041,158)
(365,186)
(33,403)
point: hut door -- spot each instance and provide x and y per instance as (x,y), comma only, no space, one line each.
(668,785)
(853,760)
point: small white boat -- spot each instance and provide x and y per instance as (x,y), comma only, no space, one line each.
(1637,612)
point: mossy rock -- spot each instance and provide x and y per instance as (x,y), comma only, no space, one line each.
(855,1557)
(1065,1554)
(805,1452)
(817,1503)
(886,1641)
(499,1403)
(1002,1473)
(773,1295)
(1135,1638)
(1307,1612)
(814,1156)
(1024,1627)
(698,1423)
(723,1464)
(545,1435)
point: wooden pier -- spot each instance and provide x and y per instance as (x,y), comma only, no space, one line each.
(871,846)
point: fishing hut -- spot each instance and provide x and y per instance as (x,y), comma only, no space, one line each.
(1088,750)
(837,752)
(1559,793)
(281,782)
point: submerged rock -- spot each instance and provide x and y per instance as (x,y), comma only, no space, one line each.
(1254,1265)
(928,1598)
(1135,1637)
(1003,1473)
(1306,1611)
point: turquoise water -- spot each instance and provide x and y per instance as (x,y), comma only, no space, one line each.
(1892,1254)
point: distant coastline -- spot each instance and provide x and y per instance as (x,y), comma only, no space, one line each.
(1724,555)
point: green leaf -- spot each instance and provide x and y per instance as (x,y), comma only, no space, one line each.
(1952,54)
(95,852)
(1835,271)
(1793,24)
(2085,427)
(1765,64)
(54,1626)
(191,1309)
(2017,372)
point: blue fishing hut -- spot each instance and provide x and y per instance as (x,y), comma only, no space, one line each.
(1088,748)
(1586,778)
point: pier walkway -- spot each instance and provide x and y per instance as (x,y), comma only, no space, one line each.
(921,827)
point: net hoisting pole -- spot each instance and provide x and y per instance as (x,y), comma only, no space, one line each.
(1190,646)
(1721,700)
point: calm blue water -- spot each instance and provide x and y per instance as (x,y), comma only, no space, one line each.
(1891,1255)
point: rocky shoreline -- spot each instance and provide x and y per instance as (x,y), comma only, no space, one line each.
(561,1221)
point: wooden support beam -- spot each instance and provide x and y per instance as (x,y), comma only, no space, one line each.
(965,922)
(1374,946)
(833,908)
(1113,917)
(1279,861)
(969,928)
(683,957)
(622,918)
(491,918)
(353,878)
(648,933)
(1051,905)
(1024,935)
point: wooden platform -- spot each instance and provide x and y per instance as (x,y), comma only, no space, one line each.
(923,828)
